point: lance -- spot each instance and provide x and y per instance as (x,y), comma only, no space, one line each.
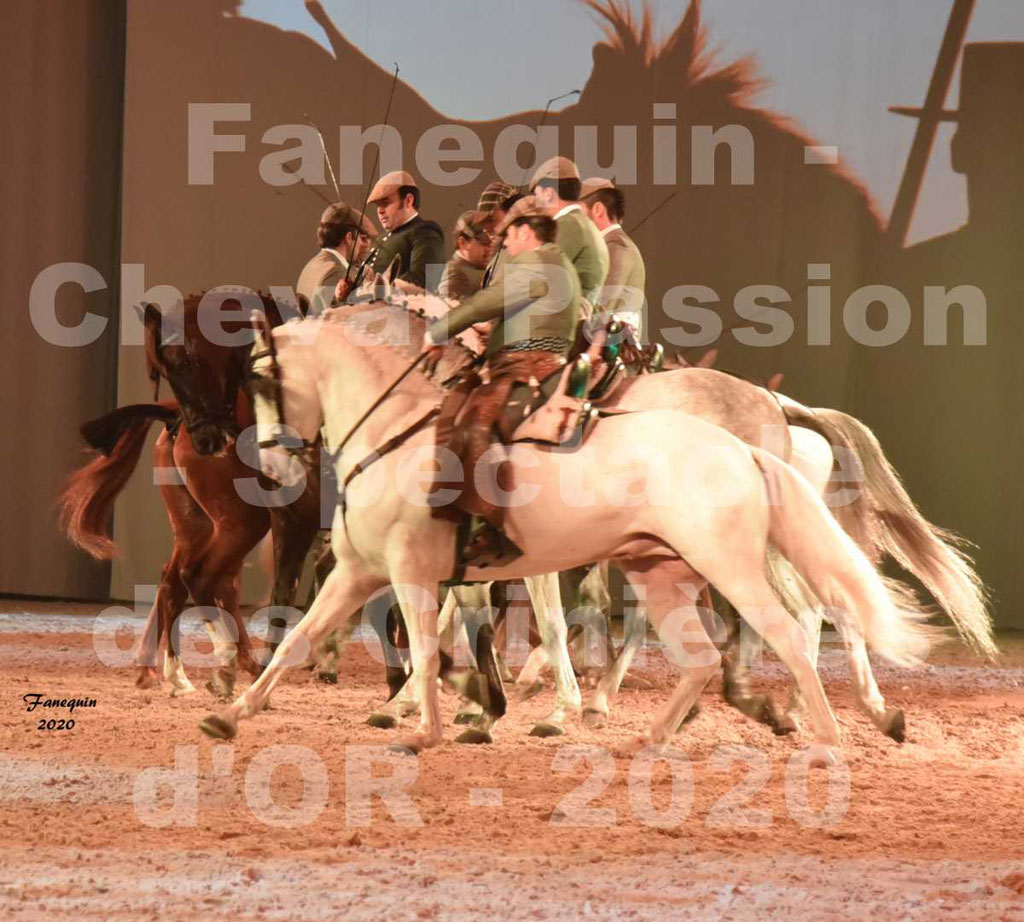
(543,119)
(313,189)
(373,176)
(650,214)
(327,156)
(927,126)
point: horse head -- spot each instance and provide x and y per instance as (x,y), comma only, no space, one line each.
(201,347)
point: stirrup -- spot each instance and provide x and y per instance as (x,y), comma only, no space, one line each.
(488,546)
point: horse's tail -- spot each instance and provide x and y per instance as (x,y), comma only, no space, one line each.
(884,515)
(89,493)
(838,572)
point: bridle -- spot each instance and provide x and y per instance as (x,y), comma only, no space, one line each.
(203,412)
(260,384)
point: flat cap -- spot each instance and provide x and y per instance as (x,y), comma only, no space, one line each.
(473,224)
(526,207)
(590,186)
(555,168)
(391,182)
(496,193)
(346,216)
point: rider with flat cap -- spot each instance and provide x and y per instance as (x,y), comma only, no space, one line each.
(535,305)
(556,185)
(412,248)
(344,235)
(464,274)
(623,290)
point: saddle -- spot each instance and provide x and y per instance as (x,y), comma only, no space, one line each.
(557,411)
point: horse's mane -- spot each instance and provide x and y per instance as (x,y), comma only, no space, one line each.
(365,318)
(687,59)
(685,54)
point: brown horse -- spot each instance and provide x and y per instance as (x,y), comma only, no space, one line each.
(197,464)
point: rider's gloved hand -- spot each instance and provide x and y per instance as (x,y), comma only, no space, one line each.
(434,353)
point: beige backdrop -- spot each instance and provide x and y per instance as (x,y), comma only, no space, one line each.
(726,236)
(60,105)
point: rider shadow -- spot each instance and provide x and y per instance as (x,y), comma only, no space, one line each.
(955,432)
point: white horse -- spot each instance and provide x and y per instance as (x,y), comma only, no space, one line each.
(865,495)
(673,500)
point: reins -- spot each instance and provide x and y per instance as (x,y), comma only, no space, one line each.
(336,453)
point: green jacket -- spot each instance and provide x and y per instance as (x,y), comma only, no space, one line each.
(537,295)
(623,290)
(583,244)
(417,245)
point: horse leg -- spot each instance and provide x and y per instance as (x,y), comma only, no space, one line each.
(677,620)
(386,619)
(547,606)
(500,602)
(343,593)
(742,646)
(810,620)
(634,631)
(192,528)
(171,597)
(466,601)
(417,598)
(327,653)
(890,720)
(760,607)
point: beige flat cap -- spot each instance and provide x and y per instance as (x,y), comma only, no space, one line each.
(345,215)
(526,207)
(555,168)
(590,186)
(496,193)
(390,182)
(473,225)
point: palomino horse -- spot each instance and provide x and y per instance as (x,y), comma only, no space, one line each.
(673,500)
(214,527)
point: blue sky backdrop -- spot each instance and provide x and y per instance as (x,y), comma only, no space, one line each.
(834,65)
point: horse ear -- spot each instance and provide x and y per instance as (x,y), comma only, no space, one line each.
(775,381)
(151,320)
(685,45)
(708,359)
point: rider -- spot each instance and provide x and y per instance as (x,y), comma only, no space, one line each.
(495,201)
(623,290)
(536,307)
(556,185)
(344,235)
(464,274)
(412,244)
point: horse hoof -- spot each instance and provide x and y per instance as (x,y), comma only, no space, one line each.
(785,725)
(409,745)
(179,691)
(895,724)
(521,693)
(219,690)
(466,717)
(147,678)
(328,678)
(631,747)
(594,720)
(545,730)
(381,721)
(474,737)
(220,728)
(820,755)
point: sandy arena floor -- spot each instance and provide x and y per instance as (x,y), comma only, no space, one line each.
(931,829)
